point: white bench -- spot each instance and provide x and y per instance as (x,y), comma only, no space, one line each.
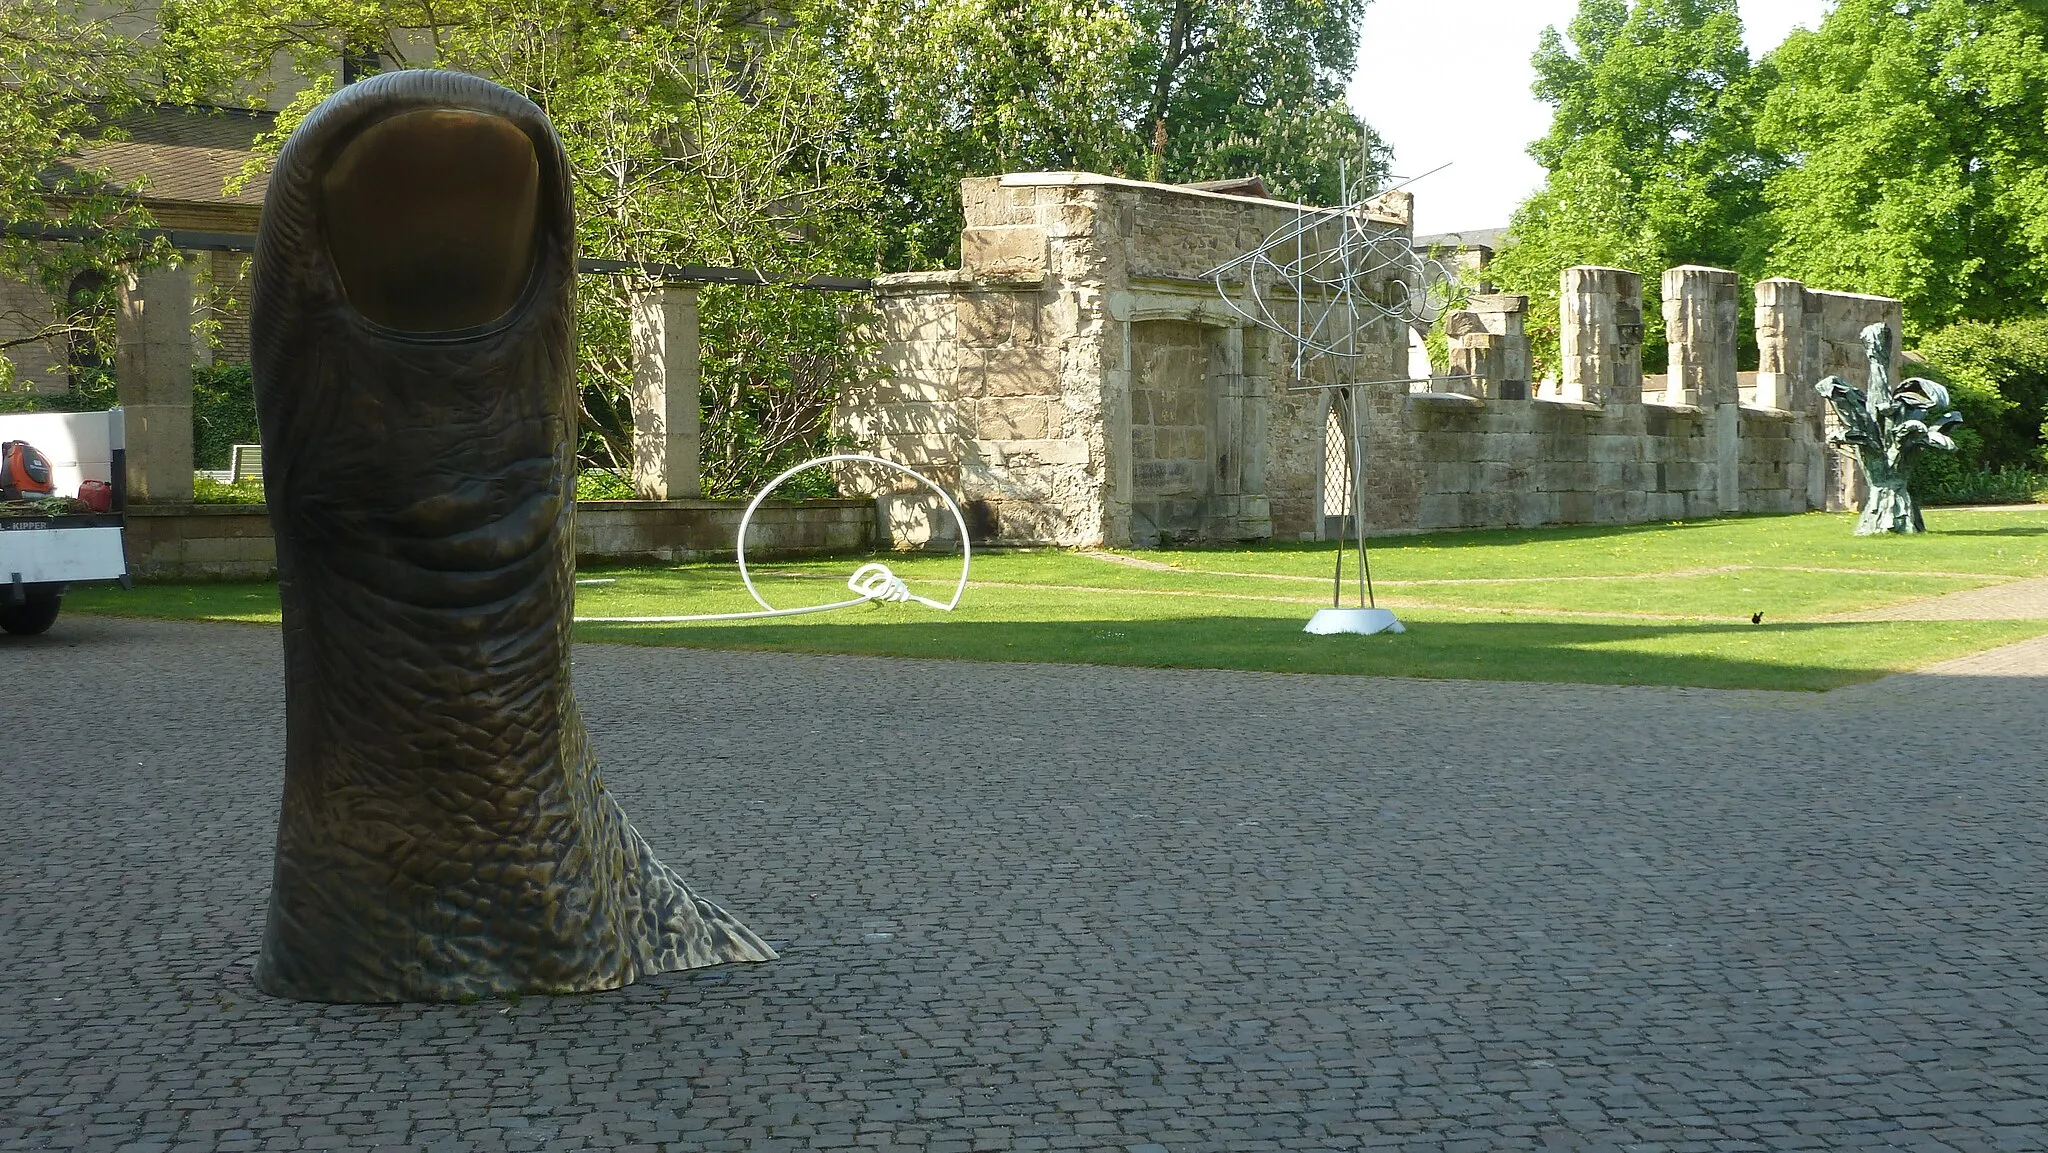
(245,462)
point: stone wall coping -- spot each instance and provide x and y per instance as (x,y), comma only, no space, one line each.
(1096,179)
(1575,405)
(1450,399)
(910,283)
(1683,409)
(726,505)
(1852,295)
(153,510)
(136,511)
(1768,413)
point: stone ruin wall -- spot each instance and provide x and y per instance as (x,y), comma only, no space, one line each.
(1078,381)
(1602,444)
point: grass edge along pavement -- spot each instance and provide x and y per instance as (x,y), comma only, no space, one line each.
(1563,605)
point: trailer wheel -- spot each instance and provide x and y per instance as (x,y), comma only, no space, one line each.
(32,616)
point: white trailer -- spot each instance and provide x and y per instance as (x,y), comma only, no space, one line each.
(43,554)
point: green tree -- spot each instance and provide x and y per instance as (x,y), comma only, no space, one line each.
(696,134)
(1651,154)
(1919,135)
(1998,374)
(1221,88)
(1175,90)
(952,88)
(66,73)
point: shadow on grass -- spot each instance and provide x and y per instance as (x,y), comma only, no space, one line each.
(2009,530)
(1773,657)
(1476,537)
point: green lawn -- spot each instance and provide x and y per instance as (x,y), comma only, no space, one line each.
(1660,604)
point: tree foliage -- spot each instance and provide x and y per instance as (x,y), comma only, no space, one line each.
(1998,374)
(1651,153)
(696,134)
(66,72)
(1174,90)
(1919,135)
(1222,88)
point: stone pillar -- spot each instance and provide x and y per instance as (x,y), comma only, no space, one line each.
(1503,316)
(1782,377)
(154,352)
(1476,354)
(1788,331)
(1700,312)
(1699,322)
(1600,335)
(667,442)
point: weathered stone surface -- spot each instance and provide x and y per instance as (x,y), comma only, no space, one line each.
(1006,254)
(1600,335)
(1700,312)
(154,355)
(667,441)
(1178,421)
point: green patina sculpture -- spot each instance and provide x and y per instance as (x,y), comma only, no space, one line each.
(1888,427)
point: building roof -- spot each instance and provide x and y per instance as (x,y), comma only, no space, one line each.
(183,155)
(1491,239)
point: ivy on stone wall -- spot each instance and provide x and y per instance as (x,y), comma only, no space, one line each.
(223,413)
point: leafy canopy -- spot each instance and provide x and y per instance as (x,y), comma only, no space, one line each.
(696,134)
(1918,131)
(67,69)
(1651,154)
(1175,90)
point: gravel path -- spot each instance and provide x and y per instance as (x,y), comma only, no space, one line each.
(1050,907)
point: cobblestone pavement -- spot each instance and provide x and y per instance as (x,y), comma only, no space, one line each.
(1042,907)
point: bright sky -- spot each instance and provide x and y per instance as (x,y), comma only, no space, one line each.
(1448,80)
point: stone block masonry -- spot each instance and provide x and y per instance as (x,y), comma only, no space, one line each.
(233,542)
(1079,382)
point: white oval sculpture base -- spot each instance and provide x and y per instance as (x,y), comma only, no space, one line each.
(1365,622)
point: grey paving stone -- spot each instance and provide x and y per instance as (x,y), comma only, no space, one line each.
(1037,907)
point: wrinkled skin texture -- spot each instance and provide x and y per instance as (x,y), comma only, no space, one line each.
(444,832)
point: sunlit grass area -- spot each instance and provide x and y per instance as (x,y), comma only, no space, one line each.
(1663,604)
(2003,542)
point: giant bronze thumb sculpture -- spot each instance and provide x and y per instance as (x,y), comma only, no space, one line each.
(445,832)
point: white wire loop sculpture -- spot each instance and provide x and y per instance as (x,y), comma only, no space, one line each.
(870,582)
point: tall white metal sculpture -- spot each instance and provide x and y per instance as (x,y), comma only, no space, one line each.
(1327,282)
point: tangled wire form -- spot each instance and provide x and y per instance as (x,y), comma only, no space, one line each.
(1333,277)
(869,583)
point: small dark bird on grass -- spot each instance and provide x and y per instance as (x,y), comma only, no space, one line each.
(1756,618)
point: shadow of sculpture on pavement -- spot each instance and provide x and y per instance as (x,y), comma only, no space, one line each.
(1888,427)
(445,832)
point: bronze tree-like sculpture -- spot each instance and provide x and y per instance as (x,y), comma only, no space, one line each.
(445,832)
(1888,426)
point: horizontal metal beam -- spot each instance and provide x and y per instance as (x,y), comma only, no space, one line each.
(187,240)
